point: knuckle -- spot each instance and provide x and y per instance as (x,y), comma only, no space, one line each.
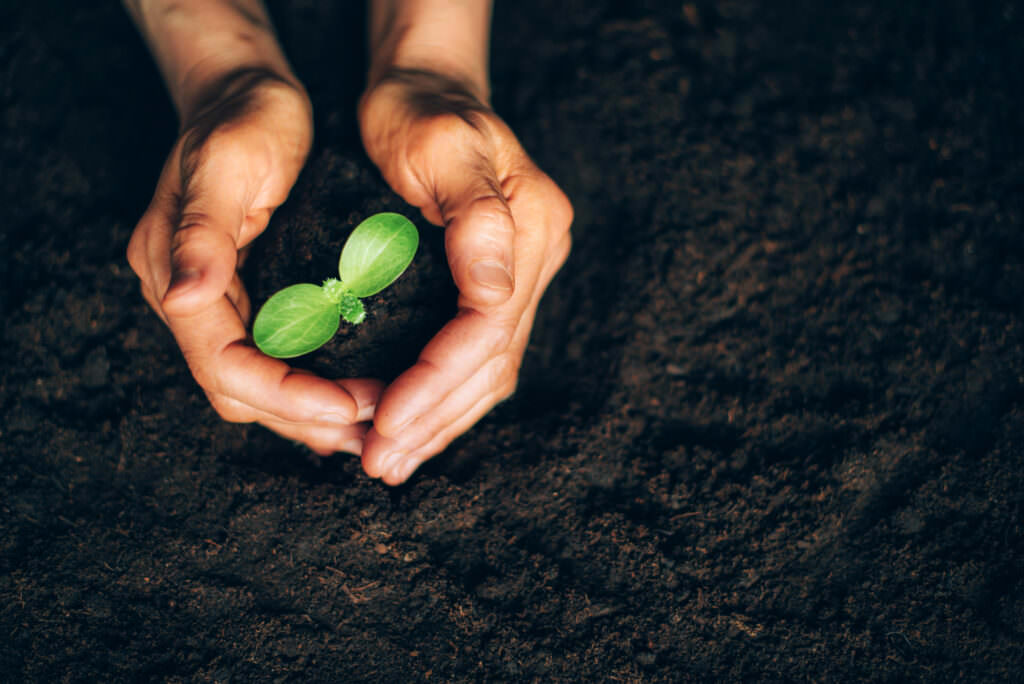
(498,338)
(562,218)
(147,231)
(506,390)
(322,448)
(229,409)
(562,248)
(562,210)
(204,375)
(494,336)
(505,375)
(319,444)
(147,294)
(136,253)
(559,207)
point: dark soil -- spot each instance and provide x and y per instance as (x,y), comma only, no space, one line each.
(770,426)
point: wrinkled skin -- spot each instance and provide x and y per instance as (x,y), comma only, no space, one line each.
(443,150)
(506,235)
(234,163)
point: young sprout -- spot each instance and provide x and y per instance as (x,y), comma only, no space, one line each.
(303,317)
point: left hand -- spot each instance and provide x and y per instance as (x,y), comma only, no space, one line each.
(235,162)
(506,235)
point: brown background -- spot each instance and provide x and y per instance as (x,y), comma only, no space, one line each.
(770,425)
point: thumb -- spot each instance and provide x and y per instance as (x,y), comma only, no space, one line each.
(480,240)
(204,249)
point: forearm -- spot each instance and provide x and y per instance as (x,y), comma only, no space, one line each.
(197,43)
(450,37)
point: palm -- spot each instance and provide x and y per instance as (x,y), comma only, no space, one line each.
(234,164)
(506,235)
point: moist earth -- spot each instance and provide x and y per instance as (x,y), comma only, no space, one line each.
(769,427)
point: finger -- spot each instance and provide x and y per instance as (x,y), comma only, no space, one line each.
(467,342)
(205,242)
(496,378)
(366,393)
(479,234)
(453,383)
(149,248)
(461,347)
(428,435)
(324,440)
(237,295)
(213,342)
(363,390)
(494,382)
(152,300)
(402,469)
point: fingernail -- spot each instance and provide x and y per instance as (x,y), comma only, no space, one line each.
(492,274)
(333,419)
(353,446)
(366,413)
(184,279)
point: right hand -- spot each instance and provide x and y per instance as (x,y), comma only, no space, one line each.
(234,163)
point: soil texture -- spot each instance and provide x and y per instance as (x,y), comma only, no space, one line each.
(770,425)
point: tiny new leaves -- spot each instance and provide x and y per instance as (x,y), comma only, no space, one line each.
(377,252)
(351,308)
(302,318)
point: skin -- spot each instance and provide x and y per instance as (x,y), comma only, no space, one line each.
(427,124)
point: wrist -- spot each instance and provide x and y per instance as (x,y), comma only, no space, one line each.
(218,78)
(238,89)
(450,39)
(199,44)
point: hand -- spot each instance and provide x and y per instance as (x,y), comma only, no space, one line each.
(506,235)
(235,162)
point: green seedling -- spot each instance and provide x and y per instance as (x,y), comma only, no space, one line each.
(303,317)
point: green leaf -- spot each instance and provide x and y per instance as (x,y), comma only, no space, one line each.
(351,308)
(295,321)
(377,252)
